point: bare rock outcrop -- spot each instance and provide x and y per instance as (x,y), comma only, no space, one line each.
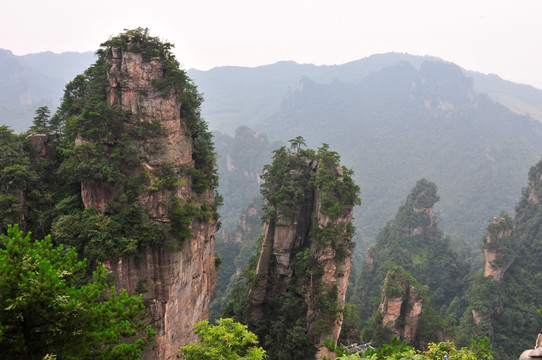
(40,143)
(401,304)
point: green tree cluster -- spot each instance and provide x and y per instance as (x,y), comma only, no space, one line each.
(49,305)
(479,350)
(227,340)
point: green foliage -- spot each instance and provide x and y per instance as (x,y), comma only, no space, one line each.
(286,182)
(284,332)
(15,177)
(227,340)
(168,179)
(181,217)
(41,121)
(351,323)
(400,350)
(378,333)
(424,195)
(47,305)
(397,282)
(297,143)
(338,191)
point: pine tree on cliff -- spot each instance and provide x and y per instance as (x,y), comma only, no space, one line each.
(505,299)
(296,290)
(412,240)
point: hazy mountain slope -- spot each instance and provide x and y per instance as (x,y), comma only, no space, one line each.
(521,99)
(64,66)
(236,96)
(240,162)
(30,81)
(400,124)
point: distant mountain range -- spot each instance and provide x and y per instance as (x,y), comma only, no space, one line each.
(30,81)
(394,118)
(236,96)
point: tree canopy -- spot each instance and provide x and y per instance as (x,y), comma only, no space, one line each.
(227,340)
(48,304)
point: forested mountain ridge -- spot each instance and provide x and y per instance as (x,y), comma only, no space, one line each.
(40,77)
(400,124)
(262,88)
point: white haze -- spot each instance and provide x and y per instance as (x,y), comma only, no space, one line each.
(501,37)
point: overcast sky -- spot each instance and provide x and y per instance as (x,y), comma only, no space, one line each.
(493,36)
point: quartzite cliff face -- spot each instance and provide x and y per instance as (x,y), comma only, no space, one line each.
(305,249)
(176,275)
(401,305)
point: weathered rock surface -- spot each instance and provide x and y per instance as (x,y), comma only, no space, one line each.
(408,307)
(39,143)
(176,286)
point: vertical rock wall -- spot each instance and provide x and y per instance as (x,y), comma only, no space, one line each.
(288,233)
(408,307)
(176,277)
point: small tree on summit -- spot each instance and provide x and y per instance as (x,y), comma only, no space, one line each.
(297,143)
(41,120)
